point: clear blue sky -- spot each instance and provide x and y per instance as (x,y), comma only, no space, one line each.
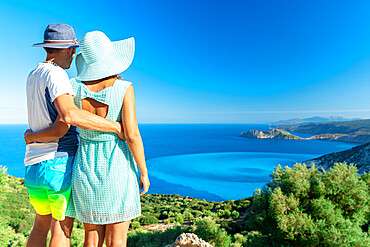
(233,61)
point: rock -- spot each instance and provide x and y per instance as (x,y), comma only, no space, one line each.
(270,134)
(359,155)
(189,240)
(353,138)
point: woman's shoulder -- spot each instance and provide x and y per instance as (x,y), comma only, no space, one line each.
(124,82)
(75,83)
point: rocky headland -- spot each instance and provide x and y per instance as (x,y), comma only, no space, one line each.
(359,156)
(270,134)
(356,131)
(353,138)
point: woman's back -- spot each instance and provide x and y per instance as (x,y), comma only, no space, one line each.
(104,99)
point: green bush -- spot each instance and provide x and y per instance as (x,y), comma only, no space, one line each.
(208,230)
(78,234)
(147,220)
(163,215)
(16,213)
(135,225)
(235,214)
(304,207)
(169,220)
(179,218)
(188,215)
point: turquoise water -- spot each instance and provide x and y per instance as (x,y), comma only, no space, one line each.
(230,175)
(207,161)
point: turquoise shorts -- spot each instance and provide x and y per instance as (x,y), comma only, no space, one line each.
(49,186)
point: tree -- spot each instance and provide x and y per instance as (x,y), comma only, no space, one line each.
(304,207)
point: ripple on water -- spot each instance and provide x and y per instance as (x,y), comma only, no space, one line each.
(227,175)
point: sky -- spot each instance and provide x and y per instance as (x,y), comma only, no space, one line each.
(234,61)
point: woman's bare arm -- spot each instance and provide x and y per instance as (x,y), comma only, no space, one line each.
(54,132)
(133,137)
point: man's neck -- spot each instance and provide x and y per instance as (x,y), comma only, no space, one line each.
(54,60)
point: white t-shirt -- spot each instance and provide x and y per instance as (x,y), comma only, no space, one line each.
(44,85)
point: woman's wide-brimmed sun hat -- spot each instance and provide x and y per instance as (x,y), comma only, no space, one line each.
(100,58)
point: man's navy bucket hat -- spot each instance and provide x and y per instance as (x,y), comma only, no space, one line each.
(60,36)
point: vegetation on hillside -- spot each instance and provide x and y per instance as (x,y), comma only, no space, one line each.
(338,127)
(298,207)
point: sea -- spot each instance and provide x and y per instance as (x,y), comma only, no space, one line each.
(206,161)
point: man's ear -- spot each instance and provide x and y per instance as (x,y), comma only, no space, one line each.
(70,51)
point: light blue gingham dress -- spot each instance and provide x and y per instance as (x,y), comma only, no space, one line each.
(105,182)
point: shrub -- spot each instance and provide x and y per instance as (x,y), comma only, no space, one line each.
(163,215)
(235,214)
(147,220)
(135,225)
(169,220)
(188,215)
(179,218)
(304,207)
(208,230)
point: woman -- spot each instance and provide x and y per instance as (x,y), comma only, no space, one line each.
(105,182)
(105,186)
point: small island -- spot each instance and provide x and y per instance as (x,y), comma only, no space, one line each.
(270,134)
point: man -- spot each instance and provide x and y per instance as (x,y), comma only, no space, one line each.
(49,164)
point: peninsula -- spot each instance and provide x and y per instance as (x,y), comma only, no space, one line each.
(270,134)
(356,131)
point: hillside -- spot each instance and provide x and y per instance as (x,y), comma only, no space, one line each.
(340,127)
(298,207)
(163,219)
(356,131)
(359,155)
(311,119)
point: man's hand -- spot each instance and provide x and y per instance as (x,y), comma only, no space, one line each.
(144,183)
(121,131)
(27,136)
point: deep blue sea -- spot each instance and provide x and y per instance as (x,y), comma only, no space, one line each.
(207,161)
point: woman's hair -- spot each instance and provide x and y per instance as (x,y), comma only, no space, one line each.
(118,77)
(110,77)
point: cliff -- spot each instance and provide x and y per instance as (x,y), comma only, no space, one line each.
(359,155)
(270,134)
(353,138)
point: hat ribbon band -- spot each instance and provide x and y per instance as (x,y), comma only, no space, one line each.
(61,41)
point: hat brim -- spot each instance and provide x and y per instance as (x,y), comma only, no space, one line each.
(56,45)
(114,63)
